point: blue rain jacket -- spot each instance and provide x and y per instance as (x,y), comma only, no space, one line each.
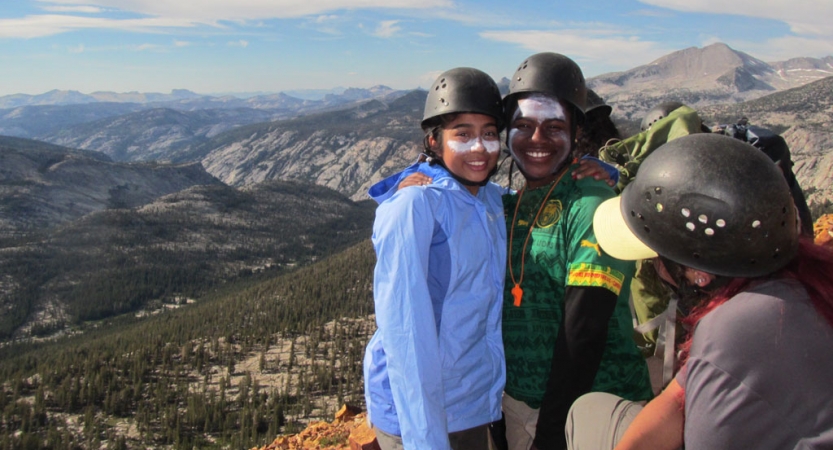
(436,364)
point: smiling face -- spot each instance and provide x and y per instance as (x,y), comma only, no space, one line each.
(539,137)
(470,147)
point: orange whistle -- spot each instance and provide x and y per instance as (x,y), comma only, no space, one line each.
(517,293)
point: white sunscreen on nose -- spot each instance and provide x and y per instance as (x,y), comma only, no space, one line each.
(474,144)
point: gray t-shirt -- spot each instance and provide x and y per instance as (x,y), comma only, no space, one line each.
(760,374)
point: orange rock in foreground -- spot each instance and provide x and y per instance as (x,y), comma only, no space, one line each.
(363,438)
(349,431)
(823,229)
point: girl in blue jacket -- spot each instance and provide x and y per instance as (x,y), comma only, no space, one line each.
(434,370)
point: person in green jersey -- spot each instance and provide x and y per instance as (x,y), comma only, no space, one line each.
(567,327)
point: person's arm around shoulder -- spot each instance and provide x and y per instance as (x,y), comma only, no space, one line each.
(595,168)
(659,425)
(402,236)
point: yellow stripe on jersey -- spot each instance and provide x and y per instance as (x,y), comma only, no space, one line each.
(584,274)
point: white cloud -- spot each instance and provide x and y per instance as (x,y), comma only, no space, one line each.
(810,17)
(326,24)
(143,47)
(241,43)
(786,47)
(48,25)
(387,28)
(178,43)
(601,47)
(78,9)
(77,49)
(325,18)
(219,10)
(176,14)
(651,13)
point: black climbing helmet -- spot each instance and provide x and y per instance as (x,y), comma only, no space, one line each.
(709,202)
(552,74)
(658,112)
(463,90)
(596,105)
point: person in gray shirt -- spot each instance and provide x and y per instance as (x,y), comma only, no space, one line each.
(756,372)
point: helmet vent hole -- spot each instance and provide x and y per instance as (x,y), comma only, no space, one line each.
(784,210)
(703,218)
(444,85)
(756,224)
(783,223)
(647,229)
(777,253)
(647,196)
(766,234)
(640,216)
(686,212)
(752,261)
(720,223)
(696,255)
(659,207)
(690,226)
(633,213)
(709,232)
(658,190)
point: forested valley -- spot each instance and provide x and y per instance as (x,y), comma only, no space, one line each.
(232,371)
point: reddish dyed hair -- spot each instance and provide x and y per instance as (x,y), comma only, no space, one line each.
(812,267)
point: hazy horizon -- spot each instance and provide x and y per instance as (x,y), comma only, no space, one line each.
(271,46)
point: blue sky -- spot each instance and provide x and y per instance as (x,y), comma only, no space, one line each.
(222,46)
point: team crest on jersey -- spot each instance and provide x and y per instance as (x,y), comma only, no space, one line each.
(550,215)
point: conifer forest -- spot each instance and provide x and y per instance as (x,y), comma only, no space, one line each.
(245,363)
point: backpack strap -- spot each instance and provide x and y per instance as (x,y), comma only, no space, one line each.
(667,325)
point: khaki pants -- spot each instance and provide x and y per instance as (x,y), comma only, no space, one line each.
(521,423)
(598,420)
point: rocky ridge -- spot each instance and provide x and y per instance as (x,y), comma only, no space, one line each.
(43,185)
(704,76)
(344,150)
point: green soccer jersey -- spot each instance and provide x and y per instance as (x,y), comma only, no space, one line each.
(562,251)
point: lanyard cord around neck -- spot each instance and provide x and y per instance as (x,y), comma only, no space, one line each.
(517,292)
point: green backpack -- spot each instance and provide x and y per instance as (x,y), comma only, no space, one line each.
(653,306)
(629,153)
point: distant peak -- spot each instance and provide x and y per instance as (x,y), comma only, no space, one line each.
(717,45)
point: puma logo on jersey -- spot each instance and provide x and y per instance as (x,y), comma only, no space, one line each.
(586,243)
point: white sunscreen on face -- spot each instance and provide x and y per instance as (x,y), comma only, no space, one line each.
(492,146)
(540,108)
